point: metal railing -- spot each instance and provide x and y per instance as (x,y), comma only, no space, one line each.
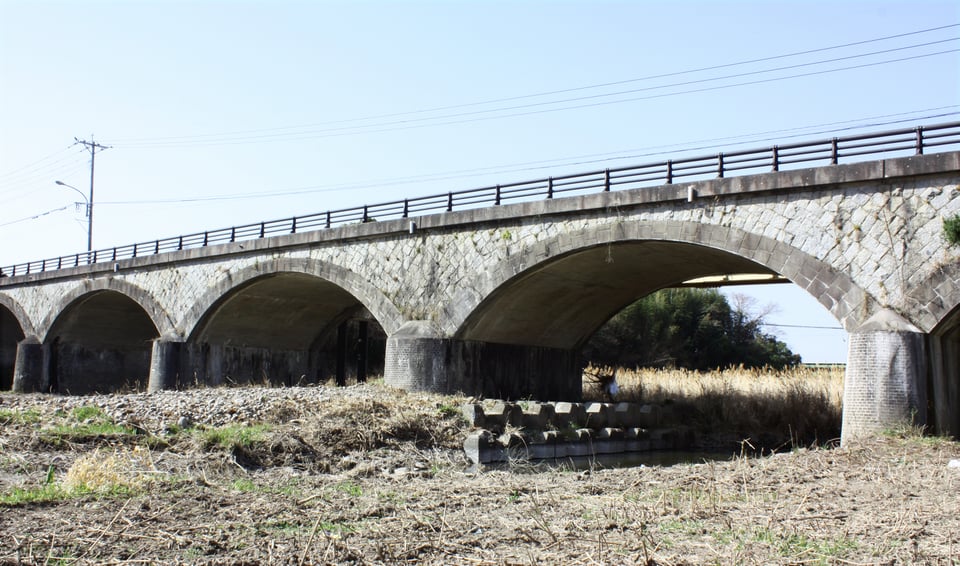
(915,141)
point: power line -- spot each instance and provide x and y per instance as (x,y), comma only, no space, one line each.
(649,151)
(36,216)
(232,135)
(463,119)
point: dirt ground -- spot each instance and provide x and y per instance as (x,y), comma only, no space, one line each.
(370,475)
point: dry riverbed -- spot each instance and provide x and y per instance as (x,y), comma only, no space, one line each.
(371,475)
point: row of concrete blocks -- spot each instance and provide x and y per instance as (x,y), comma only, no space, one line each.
(485,447)
(562,415)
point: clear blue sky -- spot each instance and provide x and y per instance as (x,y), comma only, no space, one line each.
(337,103)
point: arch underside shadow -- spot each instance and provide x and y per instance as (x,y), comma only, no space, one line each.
(11,333)
(357,288)
(944,357)
(100,342)
(560,291)
(159,318)
(281,328)
(562,302)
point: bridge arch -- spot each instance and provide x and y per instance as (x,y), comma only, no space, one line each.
(936,298)
(14,326)
(380,307)
(159,317)
(100,341)
(557,292)
(285,321)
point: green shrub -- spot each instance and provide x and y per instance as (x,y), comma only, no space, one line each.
(951,229)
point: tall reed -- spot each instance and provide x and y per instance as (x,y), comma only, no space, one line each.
(803,405)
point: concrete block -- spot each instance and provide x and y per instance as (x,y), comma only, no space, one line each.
(473,413)
(568,414)
(503,414)
(626,415)
(537,416)
(649,416)
(597,415)
(511,440)
(663,439)
(481,447)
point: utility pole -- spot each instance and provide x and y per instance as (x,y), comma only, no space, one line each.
(92,147)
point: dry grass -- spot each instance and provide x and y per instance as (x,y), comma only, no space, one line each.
(802,404)
(104,472)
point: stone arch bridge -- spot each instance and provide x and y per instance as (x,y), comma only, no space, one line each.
(497,300)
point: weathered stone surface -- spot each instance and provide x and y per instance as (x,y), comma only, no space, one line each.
(504,282)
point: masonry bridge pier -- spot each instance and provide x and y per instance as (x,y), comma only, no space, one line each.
(497,300)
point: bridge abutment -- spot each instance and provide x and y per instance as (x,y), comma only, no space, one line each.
(885,382)
(418,359)
(28,366)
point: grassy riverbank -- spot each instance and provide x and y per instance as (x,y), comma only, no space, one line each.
(371,475)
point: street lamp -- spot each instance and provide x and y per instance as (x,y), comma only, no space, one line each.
(89,202)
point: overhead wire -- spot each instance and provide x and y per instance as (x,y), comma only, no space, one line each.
(649,151)
(463,119)
(546,93)
(35,170)
(36,216)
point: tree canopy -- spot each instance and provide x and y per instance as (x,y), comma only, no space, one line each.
(687,328)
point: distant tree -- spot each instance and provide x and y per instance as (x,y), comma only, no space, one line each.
(688,328)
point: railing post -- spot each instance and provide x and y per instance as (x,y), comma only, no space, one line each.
(669,171)
(720,165)
(262,231)
(156,247)
(834,151)
(450,202)
(406,208)
(114,256)
(76,260)
(606,180)
(496,201)
(776,158)
(328,219)
(94,257)
(919,140)
(233,234)
(293,225)
(60,262)
(550,187)
(134,251)
(43,266)
(206,238)
(180,243)
(365,216)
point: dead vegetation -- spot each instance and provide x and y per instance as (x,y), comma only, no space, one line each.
(774,409)
(376,476)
